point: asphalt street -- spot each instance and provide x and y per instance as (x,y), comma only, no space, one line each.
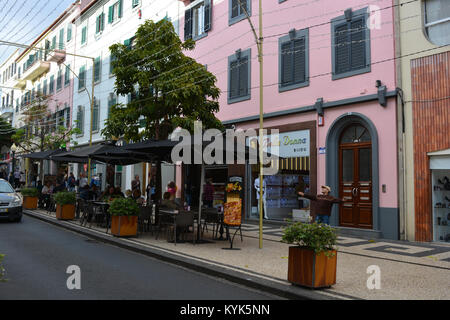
(37,256)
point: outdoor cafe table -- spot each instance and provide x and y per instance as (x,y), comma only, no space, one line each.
(104,208)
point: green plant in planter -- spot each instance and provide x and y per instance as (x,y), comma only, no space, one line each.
(65,197)
(123,207)
(313,236)
(29,192)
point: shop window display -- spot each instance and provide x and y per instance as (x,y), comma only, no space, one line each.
(280,193)
(441,205)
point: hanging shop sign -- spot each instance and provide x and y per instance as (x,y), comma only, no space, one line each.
(292,144)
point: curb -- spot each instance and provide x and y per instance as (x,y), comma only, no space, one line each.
(285,291)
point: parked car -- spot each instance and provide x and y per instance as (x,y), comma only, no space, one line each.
(10,202)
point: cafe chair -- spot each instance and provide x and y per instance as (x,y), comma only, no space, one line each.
(181,225)
(163,223)
(211,216)
(145,219)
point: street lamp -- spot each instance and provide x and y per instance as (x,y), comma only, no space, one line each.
(13,150)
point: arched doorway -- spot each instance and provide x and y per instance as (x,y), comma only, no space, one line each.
(355,177)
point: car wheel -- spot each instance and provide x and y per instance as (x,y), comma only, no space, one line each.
(19,219)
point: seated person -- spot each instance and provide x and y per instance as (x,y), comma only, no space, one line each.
(118,192)
(45,195)
(109,194)
(59,187)
(94,193)
(84,192)
(137,196)
(169,203)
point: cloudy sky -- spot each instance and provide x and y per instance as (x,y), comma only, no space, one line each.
(22,21)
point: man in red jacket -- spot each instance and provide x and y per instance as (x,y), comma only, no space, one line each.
(321,204)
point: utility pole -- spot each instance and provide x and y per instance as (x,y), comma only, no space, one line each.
(259,44)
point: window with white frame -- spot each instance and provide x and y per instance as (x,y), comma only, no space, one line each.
(197,20)
(115,12)
(437,21)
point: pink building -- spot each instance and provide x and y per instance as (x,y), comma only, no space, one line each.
(329,84)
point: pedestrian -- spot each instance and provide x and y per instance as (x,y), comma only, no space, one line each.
(136,183)
(151,189)
(22,179)
(17,179)
(321,204)
(83,181)
(208,193)
(71,182)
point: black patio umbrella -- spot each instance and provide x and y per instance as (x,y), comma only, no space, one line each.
(42,155)
(119,156)
(80,155)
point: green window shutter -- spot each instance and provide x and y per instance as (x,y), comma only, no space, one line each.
(120,9)
(135,3)
(243,77)
(97,24)
(286,64)
(82,78)
(97,69)
(102,22)
(299,61)
(44,88)
(51,85)
(53,43)
(69,32)
(188,17)
(95,115)
(110,14)
(358,44)
(83,35)
(67,75)
(234,79)
(208,10)
(58,80)
(342,49)
(61,39)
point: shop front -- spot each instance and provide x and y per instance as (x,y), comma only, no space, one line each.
(440,183)
(296,171)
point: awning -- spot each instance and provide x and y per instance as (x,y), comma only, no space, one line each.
(79,155)
(43,155)
(120,156)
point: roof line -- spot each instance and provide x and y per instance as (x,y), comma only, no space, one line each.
(77,2)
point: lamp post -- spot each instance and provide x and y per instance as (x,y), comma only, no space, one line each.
(259,44)
(13,150)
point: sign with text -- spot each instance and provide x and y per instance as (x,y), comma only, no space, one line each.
(292,144)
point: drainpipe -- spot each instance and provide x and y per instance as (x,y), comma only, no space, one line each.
(401,161)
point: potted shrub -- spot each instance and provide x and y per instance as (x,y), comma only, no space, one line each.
(124,217)
(65,205)
(30,198)
(312,262)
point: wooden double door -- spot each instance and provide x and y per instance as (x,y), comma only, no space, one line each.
(355,185)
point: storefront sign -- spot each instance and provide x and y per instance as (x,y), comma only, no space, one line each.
(233,206)
(286,144)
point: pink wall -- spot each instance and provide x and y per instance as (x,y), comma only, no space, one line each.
(223,40)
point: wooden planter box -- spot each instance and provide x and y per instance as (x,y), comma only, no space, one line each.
(30,202)
(65,212)
(124,226)
(311,270)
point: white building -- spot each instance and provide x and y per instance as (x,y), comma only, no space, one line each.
(102,23)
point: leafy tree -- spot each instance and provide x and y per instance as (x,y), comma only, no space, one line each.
(41,131)
(6,131)
(166,88)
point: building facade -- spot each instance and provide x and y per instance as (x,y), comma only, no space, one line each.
(424,45)
(45,69)
(101,24)
(329,87)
